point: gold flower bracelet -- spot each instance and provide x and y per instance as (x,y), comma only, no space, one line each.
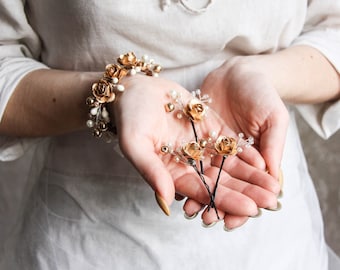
(108,87)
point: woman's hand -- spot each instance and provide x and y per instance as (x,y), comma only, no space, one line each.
(144,127)
(248,102)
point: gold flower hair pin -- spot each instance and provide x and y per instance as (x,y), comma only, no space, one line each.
(195,110)
(190,153)
(228,146)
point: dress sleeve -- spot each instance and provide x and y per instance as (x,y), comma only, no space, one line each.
(322,31)
(19,53)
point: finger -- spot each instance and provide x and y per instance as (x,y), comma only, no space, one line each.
(191,208)
(272,144)
(211,216)
(262,197)
(251,156)
(227,200)
(239,169)
(153,170)
(232,222)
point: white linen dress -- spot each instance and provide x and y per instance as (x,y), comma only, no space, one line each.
(72,202)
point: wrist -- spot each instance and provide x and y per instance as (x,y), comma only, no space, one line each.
(264,66)
(109,88)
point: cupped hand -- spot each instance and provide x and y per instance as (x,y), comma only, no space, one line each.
(144,127)
(248,102)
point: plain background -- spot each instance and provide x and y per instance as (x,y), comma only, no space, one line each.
(323,157)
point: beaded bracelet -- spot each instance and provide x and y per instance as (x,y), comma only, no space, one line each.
(108,87)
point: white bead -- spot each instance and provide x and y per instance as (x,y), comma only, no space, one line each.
(94,111)
(145,57)
(173,94)
(133,72)
(213,134)
(179,115)
(90,123)
(115,80)
(138,69)
(120,87)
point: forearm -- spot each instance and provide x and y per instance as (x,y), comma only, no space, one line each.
(300,74)
(48,102)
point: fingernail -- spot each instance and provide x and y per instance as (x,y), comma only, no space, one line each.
(281,178)
(259,213)
(227,229)
(278,207)
(162,204)
(212,224)
(281,183)
(190,217)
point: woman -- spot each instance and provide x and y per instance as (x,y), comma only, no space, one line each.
(83,206)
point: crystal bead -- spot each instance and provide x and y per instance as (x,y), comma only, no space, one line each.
(105,113)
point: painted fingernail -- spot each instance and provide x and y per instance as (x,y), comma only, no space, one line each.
(190,217)
(278,207)
(162,204)
(281,178)
(212,224)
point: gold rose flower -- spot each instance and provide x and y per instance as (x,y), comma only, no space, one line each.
(226,146)
(193,150)
(128,60)
(115,71)
(103,91)
(195,110)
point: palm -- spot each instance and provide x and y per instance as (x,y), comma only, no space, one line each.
(249,103)
(144,127)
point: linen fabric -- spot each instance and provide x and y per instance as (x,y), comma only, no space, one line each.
(72,202)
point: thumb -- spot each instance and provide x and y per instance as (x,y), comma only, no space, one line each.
(154,172)
(271,147)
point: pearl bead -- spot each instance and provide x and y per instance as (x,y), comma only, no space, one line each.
(213,134)
(120,87)
(173,94)
(90,123)
(94,111)
(133,72)
(115,80)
